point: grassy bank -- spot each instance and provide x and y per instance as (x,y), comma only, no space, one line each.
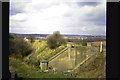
(93,68)
(29,71)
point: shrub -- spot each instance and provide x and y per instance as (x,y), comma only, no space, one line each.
(55,40)
(17,46)
(33,61)
(32,39)
(84,43)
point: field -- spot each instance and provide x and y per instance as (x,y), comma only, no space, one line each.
(91,68)
(28,71)
(41,52)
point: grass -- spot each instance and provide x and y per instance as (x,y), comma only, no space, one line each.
(91,68)
(28,71)
(43,52)
(94,68)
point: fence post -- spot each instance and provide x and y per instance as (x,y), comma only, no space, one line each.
(101,47)
(69,51)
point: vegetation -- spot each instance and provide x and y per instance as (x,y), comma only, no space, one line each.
(31,38)
(28,71)
(94,68)
(55,40)
(18,47)
(41,52)
(25,57)
(39,46)
(47,53)
(84,43)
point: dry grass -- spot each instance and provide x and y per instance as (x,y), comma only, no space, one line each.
(94,68)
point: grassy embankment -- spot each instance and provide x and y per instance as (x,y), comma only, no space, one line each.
(41,52)
(26,71)
(95,67)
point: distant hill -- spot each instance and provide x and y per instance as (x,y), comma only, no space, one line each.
(28,35)
(67,35)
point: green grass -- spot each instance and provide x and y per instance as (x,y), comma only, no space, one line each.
(28,71)
(41,75)
(92,68)
(43,52)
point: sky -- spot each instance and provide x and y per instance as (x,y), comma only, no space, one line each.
(68,17)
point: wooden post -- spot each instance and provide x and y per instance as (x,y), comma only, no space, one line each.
(75,54)
(69,57)
(101,47)
(47,65)
(69,50)
(41,66)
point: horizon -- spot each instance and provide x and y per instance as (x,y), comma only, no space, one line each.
(61,34)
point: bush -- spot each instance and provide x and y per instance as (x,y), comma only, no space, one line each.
(32,39)
(84,43)
(17,46)
(55,40)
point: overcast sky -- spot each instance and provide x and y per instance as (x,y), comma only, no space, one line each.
(68,17)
